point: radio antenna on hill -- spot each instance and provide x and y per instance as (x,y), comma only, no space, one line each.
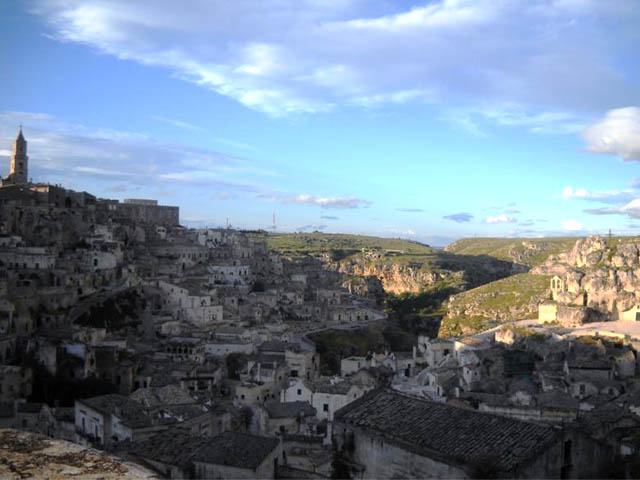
(274,222)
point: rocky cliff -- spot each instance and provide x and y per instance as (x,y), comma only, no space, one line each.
(603,275)
(398,277)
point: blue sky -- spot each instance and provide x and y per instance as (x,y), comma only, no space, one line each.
(427,120)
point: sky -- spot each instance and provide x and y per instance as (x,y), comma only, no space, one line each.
(428,120)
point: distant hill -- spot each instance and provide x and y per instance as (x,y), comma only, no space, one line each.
(524,251)
(317,242)
(400,265)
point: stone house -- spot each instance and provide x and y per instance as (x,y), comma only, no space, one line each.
(329,296)
(598,368)
(330,395)
(185,348)
(297,391)
(302,363)
(287,417)
(349,313)
(15,382)
(464,348)
(386,434)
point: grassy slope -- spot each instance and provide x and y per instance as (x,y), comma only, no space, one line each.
(513,249)
(323,242)
(495,299)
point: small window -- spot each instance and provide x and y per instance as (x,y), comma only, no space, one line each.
(325,407)
(299,391)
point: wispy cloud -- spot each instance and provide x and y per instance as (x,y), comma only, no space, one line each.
(61,152)
(410,210)
(178,123)
(459,217)
(572,225)
(610,197)
(502,218)
(284,57)
(329,217)
(328,202)
(310,228)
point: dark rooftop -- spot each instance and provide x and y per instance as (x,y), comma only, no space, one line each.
(289,409)
(451,433)
(234,449)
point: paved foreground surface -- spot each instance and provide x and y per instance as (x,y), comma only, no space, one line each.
(29,455)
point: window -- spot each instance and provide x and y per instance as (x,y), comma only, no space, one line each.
(582,389)
(325,407)
(299,391)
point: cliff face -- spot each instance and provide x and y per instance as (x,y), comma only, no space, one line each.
(601,276)
(396,278)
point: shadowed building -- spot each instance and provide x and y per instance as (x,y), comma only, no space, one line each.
(386,434)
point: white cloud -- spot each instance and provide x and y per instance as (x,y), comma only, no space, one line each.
(283,56)
(632,208)
(617,134)
(329,202)
(607,196)
(572,225)
(502,218)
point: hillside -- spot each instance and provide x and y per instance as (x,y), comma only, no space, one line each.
(314,243)
(524,251)
(515,297)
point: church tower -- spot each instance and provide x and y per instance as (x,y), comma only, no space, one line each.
(19,161)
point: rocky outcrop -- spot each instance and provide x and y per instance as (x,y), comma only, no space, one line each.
(461,271)
(397,278)
(365,286)
(597,275)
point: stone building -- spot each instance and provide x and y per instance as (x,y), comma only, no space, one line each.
(238,455)
(386,434)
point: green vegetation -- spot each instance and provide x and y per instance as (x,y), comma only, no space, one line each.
(428,302)
(60,390)
(114,313)
(502,300)
(525,251)
(317,242)
(334,345)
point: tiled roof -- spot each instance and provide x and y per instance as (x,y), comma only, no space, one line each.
(339,388)
(234,449)
(172,447)
(445,432)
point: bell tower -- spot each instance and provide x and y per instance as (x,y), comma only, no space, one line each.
(19,160)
